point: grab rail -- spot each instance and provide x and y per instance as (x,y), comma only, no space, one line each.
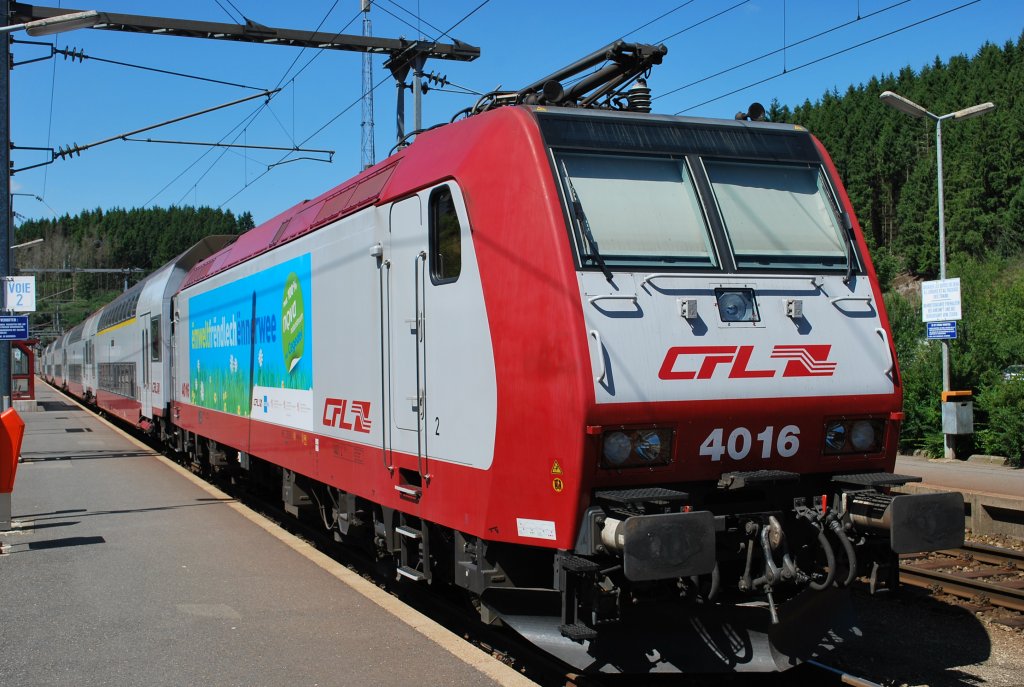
(596,336)
(888,351)
(715,277)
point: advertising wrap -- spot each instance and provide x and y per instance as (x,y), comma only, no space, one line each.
(251,347)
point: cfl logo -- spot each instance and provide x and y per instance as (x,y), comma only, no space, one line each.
(345,414)
(703,362)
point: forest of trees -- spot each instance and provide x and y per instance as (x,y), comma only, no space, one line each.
(887,162)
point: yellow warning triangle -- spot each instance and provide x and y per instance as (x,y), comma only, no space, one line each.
(556,469)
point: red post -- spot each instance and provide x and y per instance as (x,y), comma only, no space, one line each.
(12,429)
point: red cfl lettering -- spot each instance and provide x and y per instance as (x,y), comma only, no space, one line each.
(343,414)
(802,361)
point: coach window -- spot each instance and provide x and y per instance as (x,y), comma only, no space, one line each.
(445,237)
(154,339)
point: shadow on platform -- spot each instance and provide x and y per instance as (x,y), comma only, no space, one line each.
(64,543)
(99,454)
(84,513)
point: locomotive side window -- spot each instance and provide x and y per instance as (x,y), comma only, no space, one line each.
(630,210)
(777,216)
(154,339)
(445,237)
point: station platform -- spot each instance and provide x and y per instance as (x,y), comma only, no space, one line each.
(993,494)
(124,569)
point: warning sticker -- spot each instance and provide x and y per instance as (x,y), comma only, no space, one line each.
(556,469)
(557,484)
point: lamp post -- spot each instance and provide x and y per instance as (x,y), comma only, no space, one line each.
(909,107)
(41,27)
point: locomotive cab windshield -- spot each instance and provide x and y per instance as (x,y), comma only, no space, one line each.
(704,197)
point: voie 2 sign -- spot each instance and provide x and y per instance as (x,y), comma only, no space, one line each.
(20,294)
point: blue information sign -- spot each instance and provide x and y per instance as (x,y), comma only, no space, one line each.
(941,330)
(13,327)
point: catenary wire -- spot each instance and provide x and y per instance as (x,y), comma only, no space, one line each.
(704,21)
(342,112)
(321,51)
(245,122)
(49,120)
(658,18)
(225,9)
(468,15)
(831,55)
(778,50)
(417,17)
(79,55)
(249,119)
(385,10)
(282,160)
(240,13)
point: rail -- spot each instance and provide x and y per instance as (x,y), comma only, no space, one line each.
(974,571)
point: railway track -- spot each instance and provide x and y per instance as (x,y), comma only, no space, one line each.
(978,572)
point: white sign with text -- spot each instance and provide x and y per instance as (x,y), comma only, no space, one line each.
(940,300)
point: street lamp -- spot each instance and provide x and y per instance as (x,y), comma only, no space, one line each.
(906,106)
(27,243)
(58,24)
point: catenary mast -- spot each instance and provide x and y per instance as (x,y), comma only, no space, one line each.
(368,155)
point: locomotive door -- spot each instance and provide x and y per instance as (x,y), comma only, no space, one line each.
(406,255)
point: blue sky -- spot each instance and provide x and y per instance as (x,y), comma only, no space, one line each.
(57,103)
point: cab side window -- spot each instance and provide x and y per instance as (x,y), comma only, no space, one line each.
(445,237)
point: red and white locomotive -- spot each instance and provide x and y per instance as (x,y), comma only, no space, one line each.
(626,378)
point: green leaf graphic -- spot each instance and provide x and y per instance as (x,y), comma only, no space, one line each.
(293,320)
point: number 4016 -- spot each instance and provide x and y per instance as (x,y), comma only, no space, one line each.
(741,440)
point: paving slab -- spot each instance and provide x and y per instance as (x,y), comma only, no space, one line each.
(122,569)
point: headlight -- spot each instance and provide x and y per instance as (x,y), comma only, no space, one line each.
(627,448)
(648,446)
(617,448)
(853,436)
(736,305)
(862,435)
(835,436)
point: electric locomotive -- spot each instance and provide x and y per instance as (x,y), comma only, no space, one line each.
(625,378)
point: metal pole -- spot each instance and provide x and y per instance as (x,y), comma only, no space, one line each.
(5,224)
(417,90)
(949,441)
(400,109)
(367,153)
(942,206)
(5,193)
(5,512)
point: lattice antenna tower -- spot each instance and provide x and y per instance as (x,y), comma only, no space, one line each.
(368,156)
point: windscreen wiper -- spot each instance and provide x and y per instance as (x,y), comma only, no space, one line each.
(848,231)
(581,217)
